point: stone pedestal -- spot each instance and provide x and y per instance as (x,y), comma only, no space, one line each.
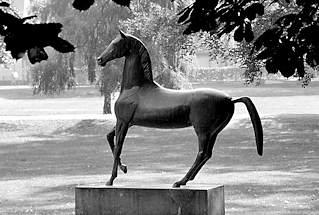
(104,200)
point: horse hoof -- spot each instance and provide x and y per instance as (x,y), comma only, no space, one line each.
(109,183)
(176,185)
(123,168)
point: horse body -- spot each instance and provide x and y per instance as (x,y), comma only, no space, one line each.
(143,102)
(158,107)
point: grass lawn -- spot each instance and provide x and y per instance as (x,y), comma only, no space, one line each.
(42,160)
(270,88)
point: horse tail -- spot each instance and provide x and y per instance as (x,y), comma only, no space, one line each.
(255,119)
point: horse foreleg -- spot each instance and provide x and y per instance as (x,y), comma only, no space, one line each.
(201,158)
(110,138)
(121,130)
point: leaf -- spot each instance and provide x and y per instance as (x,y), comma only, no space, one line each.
(287,61)
(185,15)
(265,54)
(304,2)
(288,71)
(239,34)
(269,38)
(182,11)
(286,19)
(125,3)
(223,10)
(82,4)
(300,68)
(226,29)
(249,35)
(2,30)
(192,28)
(271,66)
(312,58)
(36,55)
(251,11)
(62,45)
(309,35)
(4,4)
(27,18)
(45,29)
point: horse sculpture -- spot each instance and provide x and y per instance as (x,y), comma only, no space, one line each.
(143,102)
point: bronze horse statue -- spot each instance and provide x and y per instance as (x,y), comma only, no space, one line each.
(143,102)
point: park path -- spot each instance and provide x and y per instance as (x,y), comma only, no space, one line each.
(91,108)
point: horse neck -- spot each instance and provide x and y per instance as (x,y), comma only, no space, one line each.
(133,73)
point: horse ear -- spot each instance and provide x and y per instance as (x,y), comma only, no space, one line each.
(122,34)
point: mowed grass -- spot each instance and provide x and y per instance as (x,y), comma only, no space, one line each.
(41,161)
(269,88)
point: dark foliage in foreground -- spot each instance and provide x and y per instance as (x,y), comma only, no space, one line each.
(86,4)
(284,47)
(21,37)
(292,41)
(82,4)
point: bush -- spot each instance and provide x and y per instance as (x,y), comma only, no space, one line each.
(173,79)
(51,77)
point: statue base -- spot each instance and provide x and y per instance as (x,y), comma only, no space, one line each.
(108,200)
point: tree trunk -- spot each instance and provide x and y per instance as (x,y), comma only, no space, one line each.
(107,103)
(71,64)
(91,68)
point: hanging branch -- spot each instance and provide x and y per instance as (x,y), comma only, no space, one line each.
(86,4)
(21,37)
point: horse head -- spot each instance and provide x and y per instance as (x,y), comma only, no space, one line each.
(116,49)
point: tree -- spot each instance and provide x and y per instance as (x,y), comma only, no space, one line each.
(56,74)
(52,76)
(109,81)
(90,31)
(285,47)
(241,52)
(21,37)
(252,68)
(4,56)
(157,27)
(99,26)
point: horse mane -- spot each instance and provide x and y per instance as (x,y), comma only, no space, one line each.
(145,57)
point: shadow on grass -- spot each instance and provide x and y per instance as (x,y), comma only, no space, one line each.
(282,181)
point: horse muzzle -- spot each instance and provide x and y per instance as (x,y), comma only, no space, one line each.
(100,61)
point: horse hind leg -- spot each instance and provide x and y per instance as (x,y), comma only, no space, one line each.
(209,151)
(206,142)
(200,160)
(110,138)
(207,156)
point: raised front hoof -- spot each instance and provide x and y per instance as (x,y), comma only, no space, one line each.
(109,183)
(123,168)
(178,184)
